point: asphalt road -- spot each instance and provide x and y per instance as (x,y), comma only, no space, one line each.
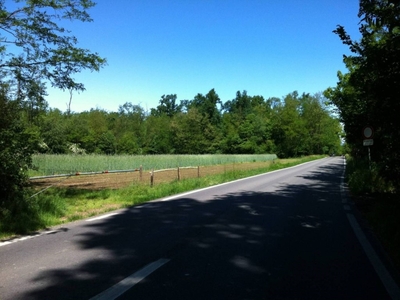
(289,234)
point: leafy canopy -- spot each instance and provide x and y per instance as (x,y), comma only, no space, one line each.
(34,47)
(369,94)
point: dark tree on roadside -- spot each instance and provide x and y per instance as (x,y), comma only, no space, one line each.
(368,95)
(34,51)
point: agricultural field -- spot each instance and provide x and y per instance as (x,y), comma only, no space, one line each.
(45,164)
(125,179)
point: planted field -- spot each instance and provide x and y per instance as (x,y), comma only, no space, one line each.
(45,164)
(120,180)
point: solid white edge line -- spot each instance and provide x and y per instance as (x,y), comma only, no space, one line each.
(28,237)
(101,217)
(164,199)
(234,181)
(390,285)
(384,275)
(50,231)
(121,287)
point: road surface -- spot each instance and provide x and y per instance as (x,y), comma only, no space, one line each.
(289,234)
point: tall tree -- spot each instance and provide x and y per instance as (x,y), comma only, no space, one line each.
(54,132)
(16,148)
(368,95)
(192,133)
(208,106)
(34,48)
(167,106)
(131,129)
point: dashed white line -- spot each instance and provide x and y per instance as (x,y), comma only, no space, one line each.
(121,287)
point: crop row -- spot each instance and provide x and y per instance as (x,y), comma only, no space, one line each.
(45,164)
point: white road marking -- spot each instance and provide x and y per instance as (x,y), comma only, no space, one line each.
(121,287)
(387,280)
(229,182)
(165,199)
(26,238)
(101,217)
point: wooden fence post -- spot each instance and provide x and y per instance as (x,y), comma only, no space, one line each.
(198,171)
(152,177)
(179,174)
(141,173)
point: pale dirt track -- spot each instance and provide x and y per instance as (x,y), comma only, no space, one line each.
(119,180)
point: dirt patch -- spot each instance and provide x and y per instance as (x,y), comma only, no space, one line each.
(119,180)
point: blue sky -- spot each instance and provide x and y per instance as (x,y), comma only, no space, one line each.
(184,47)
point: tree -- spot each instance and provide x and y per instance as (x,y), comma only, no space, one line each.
(241,105)
(130,127)
(368,95)
(207,106)
(159,135)
(289,129)
(34,48)
(16,148)
(192,133)
(322,130)
(167,106)
(54,132)
(246,125)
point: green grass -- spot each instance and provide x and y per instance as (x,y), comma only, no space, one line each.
(382,212)
(378,204)
(61,205)
(45,164)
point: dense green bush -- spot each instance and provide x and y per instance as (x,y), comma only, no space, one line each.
(364,177)
(16,149)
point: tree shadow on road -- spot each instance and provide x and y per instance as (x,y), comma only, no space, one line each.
(230,246)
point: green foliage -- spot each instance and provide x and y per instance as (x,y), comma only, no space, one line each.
(53,130)
(374,196)
(158,135)
(33,47)
(46,164)
(16,147)
(56,206)
(167,106)
(35,50)
(192,133)
(207,106)
(294,126)
(363,177)
(368,94)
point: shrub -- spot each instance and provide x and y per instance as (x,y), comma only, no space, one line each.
(16,149)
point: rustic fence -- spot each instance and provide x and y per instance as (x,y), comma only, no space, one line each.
(178,169)
(121,178)
(140,170)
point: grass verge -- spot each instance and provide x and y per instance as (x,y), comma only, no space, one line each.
(378,204)
(61,205)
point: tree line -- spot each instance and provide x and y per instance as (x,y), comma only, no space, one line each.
(35,50)
(294,125)
(368,94)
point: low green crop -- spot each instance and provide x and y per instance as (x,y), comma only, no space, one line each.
(46,164)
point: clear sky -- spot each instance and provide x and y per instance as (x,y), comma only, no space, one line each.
(185,47)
